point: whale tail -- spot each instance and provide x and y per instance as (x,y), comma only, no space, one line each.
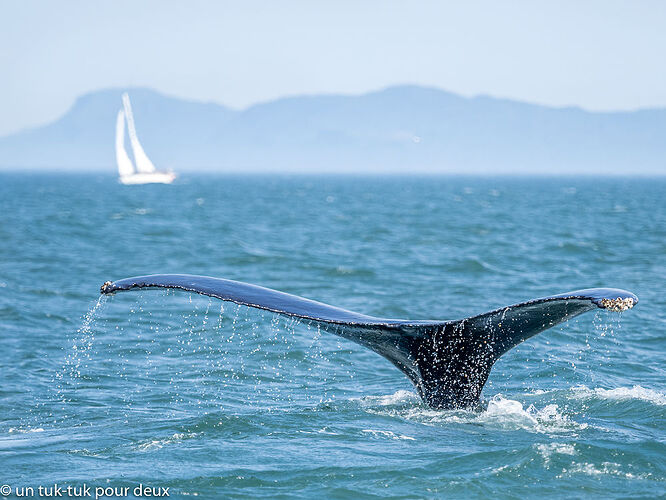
(448,361)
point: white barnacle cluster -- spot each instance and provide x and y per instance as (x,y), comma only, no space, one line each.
(618,304)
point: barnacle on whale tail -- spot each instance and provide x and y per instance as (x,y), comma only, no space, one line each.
(618,304)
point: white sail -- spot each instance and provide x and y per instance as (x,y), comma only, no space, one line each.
(125,166)
(143,163)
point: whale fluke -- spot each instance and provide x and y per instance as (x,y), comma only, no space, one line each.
(448,361)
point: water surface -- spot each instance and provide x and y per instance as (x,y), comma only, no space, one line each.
(177,390)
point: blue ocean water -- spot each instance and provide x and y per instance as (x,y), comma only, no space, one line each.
(179,391)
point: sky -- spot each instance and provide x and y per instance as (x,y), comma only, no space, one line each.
(599,55)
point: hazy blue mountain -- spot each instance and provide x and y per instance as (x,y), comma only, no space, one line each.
(400,129)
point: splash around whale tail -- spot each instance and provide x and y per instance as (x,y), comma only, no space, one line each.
(448,361)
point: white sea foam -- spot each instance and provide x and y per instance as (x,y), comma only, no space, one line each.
(537,392)
(603,469)
(622,393)
(323,430)
(509,414)
(387,435)
(156,444)
(14,430)
(397,398)
(501,413)
(550,449)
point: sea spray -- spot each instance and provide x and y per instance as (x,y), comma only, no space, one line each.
(78,354)
(210,355)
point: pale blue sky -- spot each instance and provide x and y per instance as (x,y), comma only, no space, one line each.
(600,55)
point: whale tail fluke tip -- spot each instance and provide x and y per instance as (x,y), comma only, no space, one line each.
(618,304)
(106,288)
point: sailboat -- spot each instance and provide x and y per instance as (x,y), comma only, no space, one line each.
(145,172)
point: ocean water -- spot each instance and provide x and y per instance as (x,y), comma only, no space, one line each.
(180,391)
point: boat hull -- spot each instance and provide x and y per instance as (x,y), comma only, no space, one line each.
(148,178)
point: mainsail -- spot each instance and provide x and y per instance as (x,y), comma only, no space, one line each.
(143,163)
(125,166)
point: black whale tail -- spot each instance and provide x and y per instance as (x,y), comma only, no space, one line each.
(448,361)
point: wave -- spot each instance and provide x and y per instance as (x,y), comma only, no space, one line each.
(548,450)
(621,394)
(155,444)
(14,430)
(398,398)
(378,434)
(508,414)
(501,413)
(603,469)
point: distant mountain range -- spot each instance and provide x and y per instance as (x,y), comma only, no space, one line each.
(398,130)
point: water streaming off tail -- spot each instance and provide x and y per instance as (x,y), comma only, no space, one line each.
(78,352)
(173,352)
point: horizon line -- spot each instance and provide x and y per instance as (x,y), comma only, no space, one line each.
(287,173)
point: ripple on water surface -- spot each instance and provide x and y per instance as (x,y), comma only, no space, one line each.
(176,390)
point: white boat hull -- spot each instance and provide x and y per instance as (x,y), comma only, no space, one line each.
(150,178)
